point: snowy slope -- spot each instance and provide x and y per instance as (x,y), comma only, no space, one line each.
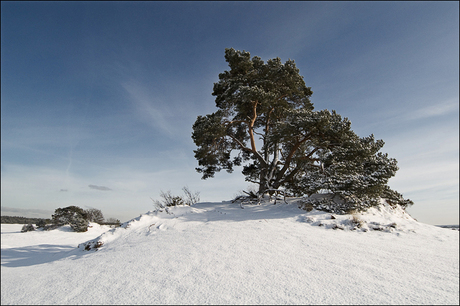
(218,253)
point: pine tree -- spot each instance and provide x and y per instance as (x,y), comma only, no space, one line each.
(265,116)
(73,215)
(251,97)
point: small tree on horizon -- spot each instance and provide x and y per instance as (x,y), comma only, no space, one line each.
(265,122)
(95,215)
(75,216)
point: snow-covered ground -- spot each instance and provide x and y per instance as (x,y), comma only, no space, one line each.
(218,253)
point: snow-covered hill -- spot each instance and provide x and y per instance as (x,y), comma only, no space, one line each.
(218,253)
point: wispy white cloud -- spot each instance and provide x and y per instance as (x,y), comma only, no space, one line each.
(421,178)
(434,110)
(150,107)
(428,173)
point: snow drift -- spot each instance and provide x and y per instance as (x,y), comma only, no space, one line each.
(218,253)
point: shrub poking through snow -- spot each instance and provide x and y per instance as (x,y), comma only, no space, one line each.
(27,228)
(41,223)
(113,222)
(170,199)
(45,225)
(356,221)
(91,245)
(190,198)
(49,227)
(306,206)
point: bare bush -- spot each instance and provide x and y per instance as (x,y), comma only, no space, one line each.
(191,198)
(168,199)
(171,200)
(95,215)
(112,220)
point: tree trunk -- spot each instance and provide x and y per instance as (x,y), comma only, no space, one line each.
(268,172)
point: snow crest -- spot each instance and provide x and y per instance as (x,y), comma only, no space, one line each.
(383,218)
(218,253)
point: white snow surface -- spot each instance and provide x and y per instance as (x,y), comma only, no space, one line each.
(218,253)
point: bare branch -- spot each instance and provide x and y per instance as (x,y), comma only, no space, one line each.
(242,146)
(289,158)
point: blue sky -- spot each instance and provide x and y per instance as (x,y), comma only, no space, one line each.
(98,98)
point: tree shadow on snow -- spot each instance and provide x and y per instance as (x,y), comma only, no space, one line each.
(233,212)
(35,255)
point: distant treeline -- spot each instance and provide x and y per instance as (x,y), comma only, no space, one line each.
(22,220)
(454,227)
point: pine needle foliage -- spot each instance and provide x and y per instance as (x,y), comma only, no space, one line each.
(266,123)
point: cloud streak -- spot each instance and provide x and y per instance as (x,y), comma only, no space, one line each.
(144,104)
(435,110)
(102,188)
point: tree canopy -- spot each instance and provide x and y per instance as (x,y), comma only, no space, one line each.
(266,123)
(95,215)
(73,215)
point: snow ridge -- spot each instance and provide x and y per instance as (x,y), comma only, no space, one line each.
(218,253)
(381,218)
